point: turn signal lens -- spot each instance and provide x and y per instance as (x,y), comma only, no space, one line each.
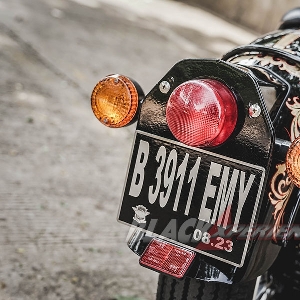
(202,112)
(167,258)
(115,101)
(293,162)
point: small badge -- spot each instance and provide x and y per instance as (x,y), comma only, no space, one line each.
(140,213)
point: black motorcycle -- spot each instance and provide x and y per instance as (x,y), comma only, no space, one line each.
(212,189)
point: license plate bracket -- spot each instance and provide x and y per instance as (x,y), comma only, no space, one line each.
(194,197)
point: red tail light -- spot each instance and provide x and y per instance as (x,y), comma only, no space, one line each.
(202,112)
(167,258)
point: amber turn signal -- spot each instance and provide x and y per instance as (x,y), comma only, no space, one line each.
(293,162)
(115,101)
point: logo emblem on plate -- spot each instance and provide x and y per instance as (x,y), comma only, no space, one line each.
(140,213)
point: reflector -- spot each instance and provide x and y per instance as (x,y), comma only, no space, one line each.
(293,162)
(114,101)
(167,258)
(202,112)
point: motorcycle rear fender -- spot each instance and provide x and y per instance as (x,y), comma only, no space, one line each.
(254,139)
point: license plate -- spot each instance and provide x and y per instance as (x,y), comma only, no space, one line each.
(199,199)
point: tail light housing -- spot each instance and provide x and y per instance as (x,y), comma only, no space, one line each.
(202,112)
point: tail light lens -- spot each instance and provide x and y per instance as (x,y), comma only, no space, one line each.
(115,101)
(202,112)
(293,162)
(167,258)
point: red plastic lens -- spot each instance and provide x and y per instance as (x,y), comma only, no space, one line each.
(167,258)
(202,112)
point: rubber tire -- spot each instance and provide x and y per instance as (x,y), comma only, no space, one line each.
(189,289)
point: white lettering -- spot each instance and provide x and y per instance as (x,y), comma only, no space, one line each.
(154,189)
(192,179)
(139,169)
(225,197)
(243,194)
(197,235)
(169,175)
(210,191)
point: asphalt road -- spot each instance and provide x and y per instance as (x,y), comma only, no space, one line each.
(61,171)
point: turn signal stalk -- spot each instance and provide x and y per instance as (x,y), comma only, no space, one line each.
(115,100)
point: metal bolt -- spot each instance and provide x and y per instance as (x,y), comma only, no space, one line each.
(164,87)
(254,110)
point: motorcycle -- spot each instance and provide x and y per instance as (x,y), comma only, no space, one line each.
(212,188)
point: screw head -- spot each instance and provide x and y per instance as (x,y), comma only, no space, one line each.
(164,87)
(254,110)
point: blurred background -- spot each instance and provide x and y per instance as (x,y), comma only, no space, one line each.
(260,16)
(61,171)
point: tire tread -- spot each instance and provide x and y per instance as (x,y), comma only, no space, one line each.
(170,288)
